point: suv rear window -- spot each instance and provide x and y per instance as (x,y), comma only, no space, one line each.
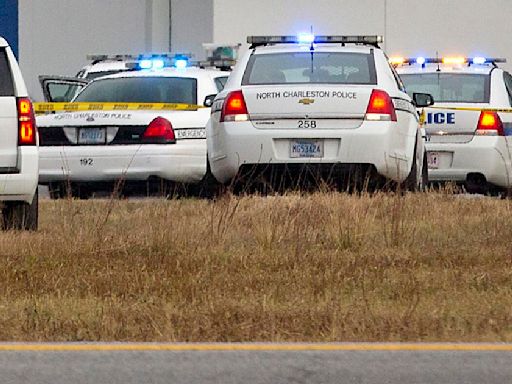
(141,90)
(450,87)
(6,85)
(310,67)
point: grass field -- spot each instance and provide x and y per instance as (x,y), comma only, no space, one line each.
(319,267)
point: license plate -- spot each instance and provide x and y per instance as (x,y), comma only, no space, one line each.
(306,148)
(433,160)
(92,136)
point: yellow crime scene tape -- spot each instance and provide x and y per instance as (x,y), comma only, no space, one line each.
(474,109)
(40,108)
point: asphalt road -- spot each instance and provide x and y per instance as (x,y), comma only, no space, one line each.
(256,363)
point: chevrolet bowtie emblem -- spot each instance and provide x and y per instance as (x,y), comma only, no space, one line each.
(306,101)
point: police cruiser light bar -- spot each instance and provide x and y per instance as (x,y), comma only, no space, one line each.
(312,39)
(477,60)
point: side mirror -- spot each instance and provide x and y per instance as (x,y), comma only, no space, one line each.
(208,100)
(422,100)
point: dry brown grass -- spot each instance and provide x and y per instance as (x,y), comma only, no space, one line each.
(321,267)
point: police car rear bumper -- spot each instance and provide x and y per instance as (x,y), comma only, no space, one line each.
(184,161)
(231,145)
(488,156)
(21,186)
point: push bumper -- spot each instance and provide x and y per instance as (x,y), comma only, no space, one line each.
(232,145)
(184,161)
(488,156)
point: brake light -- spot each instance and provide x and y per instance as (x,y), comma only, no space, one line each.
(26,122)
(489,124)
(160,130)
(234,108)
(380,107)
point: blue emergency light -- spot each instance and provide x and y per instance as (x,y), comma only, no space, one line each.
(458,60)
(181,63)
(305,38)
(146,64)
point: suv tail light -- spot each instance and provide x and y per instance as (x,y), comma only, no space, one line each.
(26,122)
(159,131)
(489,124)
(380,107)
(234,108)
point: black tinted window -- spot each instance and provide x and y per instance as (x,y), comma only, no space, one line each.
(220,82)
(508,84)
(307,67)
(6,85)
(141,90)
(449,87)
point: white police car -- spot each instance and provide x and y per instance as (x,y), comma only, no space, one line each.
(94,150)
(18,148)
(327,105)
(468,139)
(104,65)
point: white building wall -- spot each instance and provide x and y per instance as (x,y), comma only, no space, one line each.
(56,35)
(191,26)
(410,27)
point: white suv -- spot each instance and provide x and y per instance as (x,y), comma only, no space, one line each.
(327,106)
(19,161)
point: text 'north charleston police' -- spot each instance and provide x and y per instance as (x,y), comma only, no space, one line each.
(308,94)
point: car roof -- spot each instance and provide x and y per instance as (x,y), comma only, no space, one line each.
(444,68)
(104,66)
(168,72)
(284,48)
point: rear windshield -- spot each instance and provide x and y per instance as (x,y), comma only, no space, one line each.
(449,87)
(310,67)
(6,85)
(141,90)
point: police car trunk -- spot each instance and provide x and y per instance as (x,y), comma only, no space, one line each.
(290,86)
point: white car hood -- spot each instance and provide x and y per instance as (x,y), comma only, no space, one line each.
(178,119)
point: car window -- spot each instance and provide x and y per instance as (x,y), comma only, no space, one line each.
(141,90)
(449,87)
(310,67)
(63,92)
(508,83)
(6,84)
(220,82)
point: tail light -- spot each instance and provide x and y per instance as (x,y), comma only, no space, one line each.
(26,122)
(380,107)
(234,108)
(159,131)
(489,124)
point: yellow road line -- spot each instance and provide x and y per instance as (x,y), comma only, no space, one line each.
(105,347)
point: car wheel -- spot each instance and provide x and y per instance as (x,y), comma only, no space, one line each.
(57,190)
(209,186)
(413,183)
(21,215)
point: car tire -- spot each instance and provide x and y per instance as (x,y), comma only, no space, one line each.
(413,183)
(57,190)
(21,215)
(209,186)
